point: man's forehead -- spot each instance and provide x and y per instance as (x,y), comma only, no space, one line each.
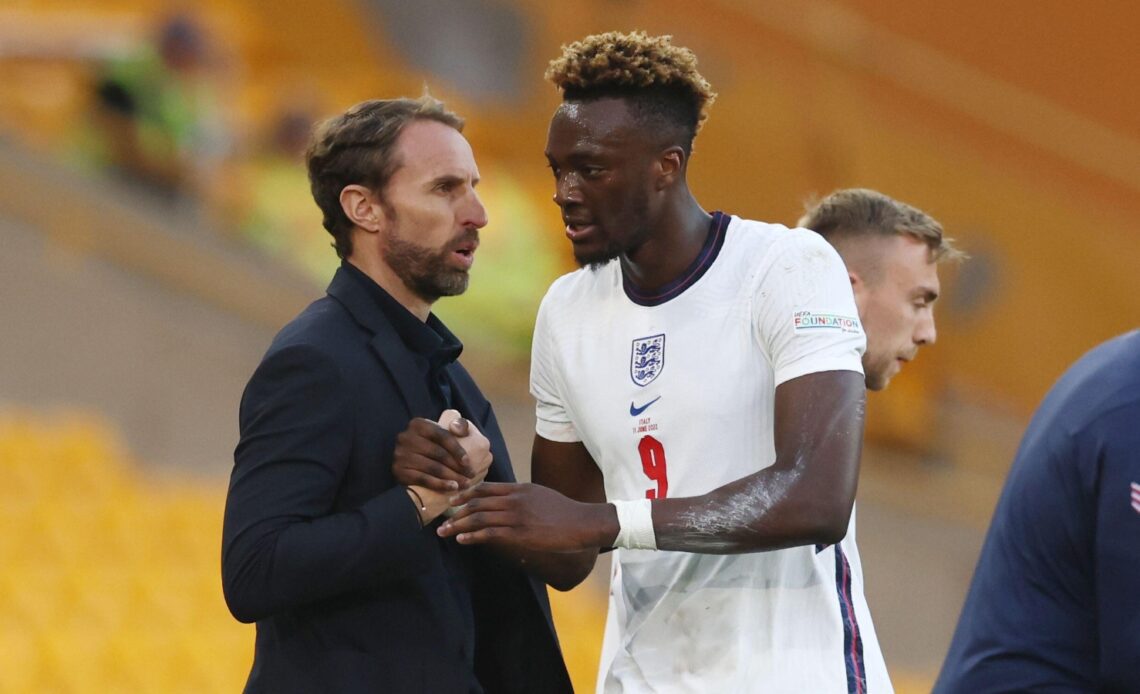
(606,121)
(914,260)
(907,248)
(904,260)
(429,146)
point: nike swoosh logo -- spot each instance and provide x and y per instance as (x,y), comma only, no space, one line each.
(634,410)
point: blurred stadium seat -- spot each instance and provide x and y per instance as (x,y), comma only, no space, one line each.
(111,575)
(110,580)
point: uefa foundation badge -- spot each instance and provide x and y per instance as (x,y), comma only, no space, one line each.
(810,320)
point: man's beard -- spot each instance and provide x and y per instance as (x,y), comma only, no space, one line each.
(616,247)
(426,272)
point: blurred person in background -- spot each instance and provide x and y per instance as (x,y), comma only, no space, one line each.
(157,115)
(702,373)
(1055,600)
(338,564)
(272,207)
(891,251)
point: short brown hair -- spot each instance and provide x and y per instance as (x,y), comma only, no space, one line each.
(660,79)
(860,212)
(356,148)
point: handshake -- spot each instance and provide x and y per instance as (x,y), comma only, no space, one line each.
(435,460)
(442,465)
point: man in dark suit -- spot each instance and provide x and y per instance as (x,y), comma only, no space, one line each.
(339,565)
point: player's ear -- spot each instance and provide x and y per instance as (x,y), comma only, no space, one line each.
(362,208)
(670,166)
(859,289)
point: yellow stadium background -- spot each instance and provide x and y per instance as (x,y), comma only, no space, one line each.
(130,316)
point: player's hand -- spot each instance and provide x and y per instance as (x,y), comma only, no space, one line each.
(474,443)
(521,516)
(437,458)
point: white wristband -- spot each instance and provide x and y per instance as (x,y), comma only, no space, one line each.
(635,525)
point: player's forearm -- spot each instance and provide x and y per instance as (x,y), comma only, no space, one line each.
(762,512)
(560,570)
(529,520)
(805,497)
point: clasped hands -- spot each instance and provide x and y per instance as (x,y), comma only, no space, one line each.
(434,460)
(445,463)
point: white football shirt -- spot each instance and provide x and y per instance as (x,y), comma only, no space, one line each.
(673,395)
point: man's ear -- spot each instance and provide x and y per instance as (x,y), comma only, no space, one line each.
(362,208)
(859,289)
(670,166)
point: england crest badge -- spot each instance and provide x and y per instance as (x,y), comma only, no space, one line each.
(647,359)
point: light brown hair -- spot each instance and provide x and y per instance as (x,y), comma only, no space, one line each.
(356,147)
(853,213)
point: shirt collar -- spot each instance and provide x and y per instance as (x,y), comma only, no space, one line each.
(710,249)
(431,340)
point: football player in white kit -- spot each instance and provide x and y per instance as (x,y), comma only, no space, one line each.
(733,342)
(891,251)
(700,407)
(784,621)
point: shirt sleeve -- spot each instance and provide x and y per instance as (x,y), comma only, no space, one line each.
(1027,618)
(805,315)
(552,421)
(1112,447)
(284,545)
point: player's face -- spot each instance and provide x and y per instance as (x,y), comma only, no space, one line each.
(602,164)
(896,306)
(432,213)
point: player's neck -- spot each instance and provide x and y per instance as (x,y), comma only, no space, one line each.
(673,244)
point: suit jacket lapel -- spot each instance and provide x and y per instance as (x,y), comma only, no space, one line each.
(398,360)
(385,342)
(501,470)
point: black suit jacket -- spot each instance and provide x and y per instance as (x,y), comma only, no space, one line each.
(323,549)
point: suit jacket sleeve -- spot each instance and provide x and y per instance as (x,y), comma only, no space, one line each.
(283,545)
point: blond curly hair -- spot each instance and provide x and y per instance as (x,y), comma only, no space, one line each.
(636,66)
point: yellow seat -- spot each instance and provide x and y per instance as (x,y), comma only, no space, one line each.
(20,655)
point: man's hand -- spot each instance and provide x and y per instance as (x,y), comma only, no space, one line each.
(433,503)
(529,517)
(474,443)
(442,456)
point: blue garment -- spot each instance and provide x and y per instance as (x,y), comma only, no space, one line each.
(431,349)
(324,550)
(1055,601)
